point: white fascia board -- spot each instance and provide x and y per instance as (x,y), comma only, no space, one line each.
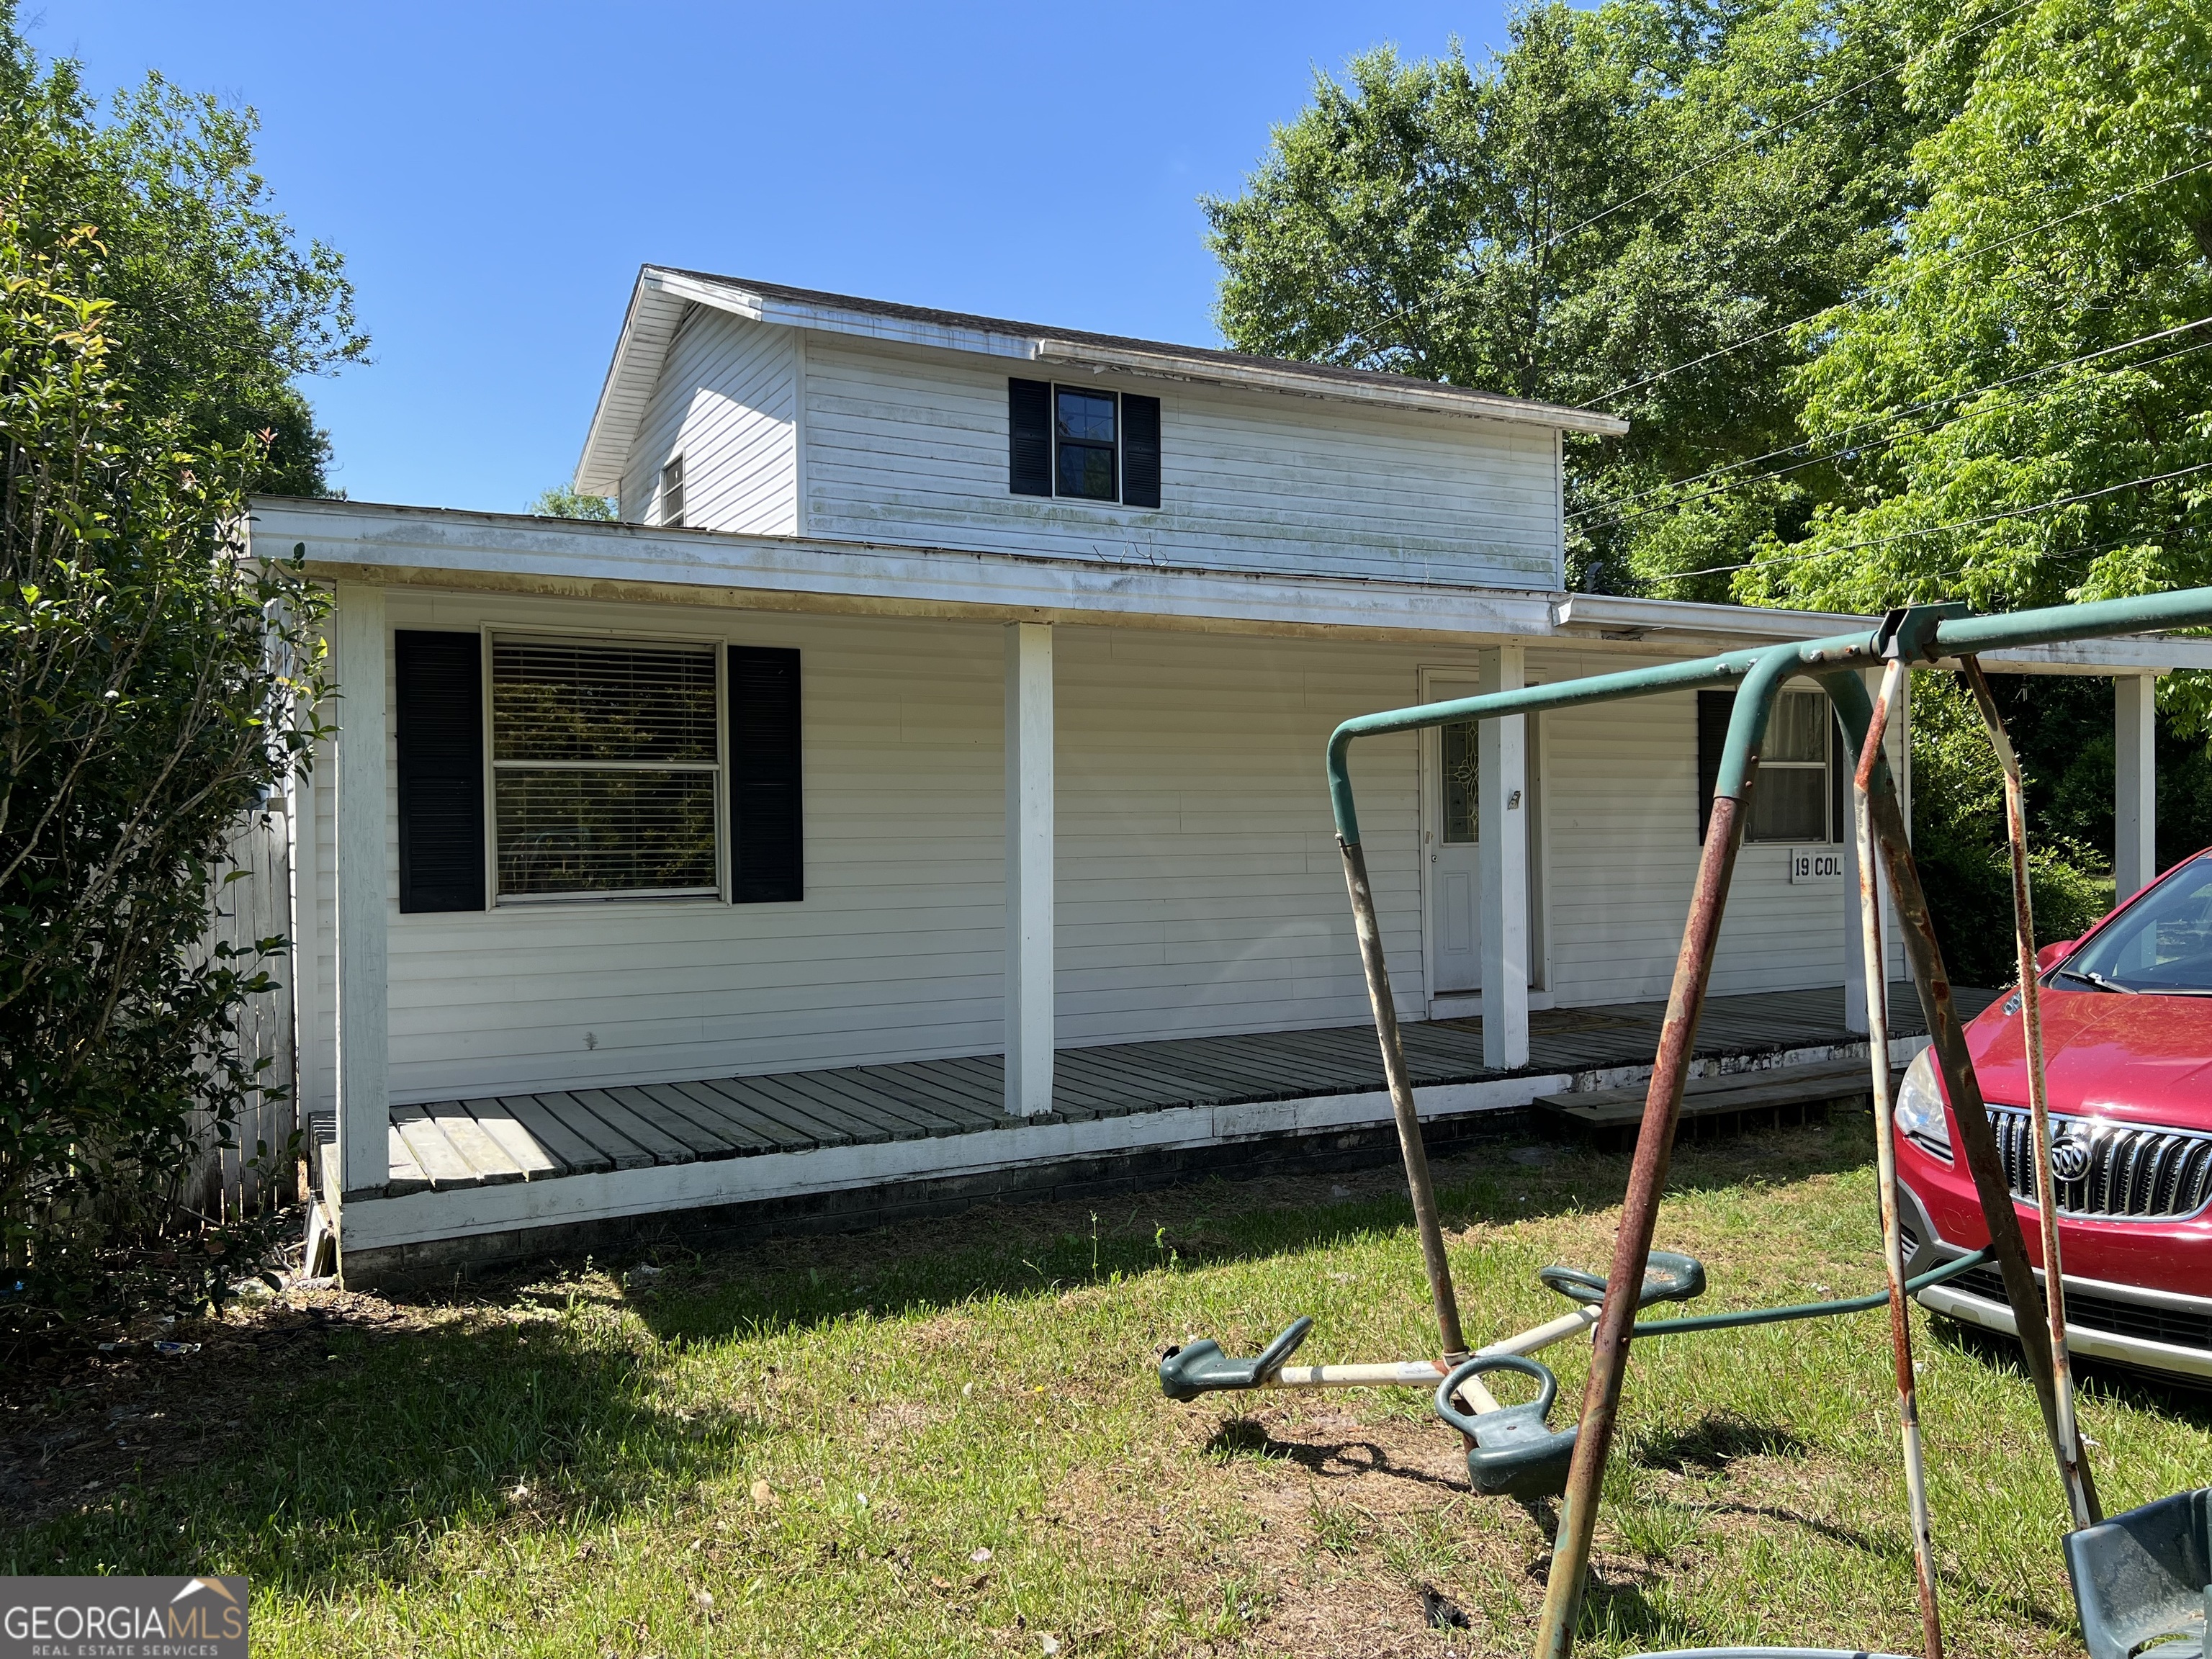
(437,547)
(1732,627)
(836,319)
(634,369)
(1425,396)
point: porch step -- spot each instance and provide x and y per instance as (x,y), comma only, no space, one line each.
(1716,1105)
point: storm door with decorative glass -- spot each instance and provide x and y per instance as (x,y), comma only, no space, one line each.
(606,769)
(1455,876)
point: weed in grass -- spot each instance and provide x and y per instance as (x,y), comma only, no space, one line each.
(1244,1437)
(1660,1531)
(1336,1526)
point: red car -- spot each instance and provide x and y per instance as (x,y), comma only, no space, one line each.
(2127,1043)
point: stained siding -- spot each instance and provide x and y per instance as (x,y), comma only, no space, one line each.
(910,446)
(727,401)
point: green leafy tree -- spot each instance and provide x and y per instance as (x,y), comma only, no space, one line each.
(1996,434)
(219,309)
(562,502)
(155,687)
(1628,209)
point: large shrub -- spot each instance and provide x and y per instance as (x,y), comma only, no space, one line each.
(155,687)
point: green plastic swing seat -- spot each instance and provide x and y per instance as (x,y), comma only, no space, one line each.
(2144,1578)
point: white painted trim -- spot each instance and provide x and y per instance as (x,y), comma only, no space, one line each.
(433,547)
(1429,397)
(2135,783)
(363,987)
(378,1223)
(1030,850)
(1026,343)
(470,1211)
(1732,627)
(1502,855)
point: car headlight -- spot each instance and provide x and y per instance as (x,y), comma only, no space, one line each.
(1920,1106)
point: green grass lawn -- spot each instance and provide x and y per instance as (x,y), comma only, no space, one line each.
(948,1438)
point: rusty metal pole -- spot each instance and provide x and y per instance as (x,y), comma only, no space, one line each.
(1977,1143)
(1885,1119)
(1639,1216)
(2039,1104)
(1416,1154)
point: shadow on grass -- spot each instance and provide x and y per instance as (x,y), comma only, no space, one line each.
(357,1462)
(2185,1399)
(886,1275)
(1713,1441)
(1245,1437)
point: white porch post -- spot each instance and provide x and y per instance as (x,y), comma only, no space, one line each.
(1029,869)
(2135,783)
(363,988)
(1897,746)
(1502,766)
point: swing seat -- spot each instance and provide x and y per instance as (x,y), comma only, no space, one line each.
(1515,1453)
(1669,1276)
(1201,1367)
(2144,1575)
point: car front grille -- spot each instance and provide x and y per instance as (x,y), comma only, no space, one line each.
(2128,1173)
(2090,1312)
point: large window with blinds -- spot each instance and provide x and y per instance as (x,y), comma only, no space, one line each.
(606,769)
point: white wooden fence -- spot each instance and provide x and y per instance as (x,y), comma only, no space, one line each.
(256,1173)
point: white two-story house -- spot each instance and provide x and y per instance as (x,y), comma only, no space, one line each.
(919,794)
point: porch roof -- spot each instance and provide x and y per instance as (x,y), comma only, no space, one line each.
(388,545)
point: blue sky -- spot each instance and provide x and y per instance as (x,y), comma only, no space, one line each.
(495,174)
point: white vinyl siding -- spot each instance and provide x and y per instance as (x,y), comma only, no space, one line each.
(726,403)
(911,447)
(1621,817)
(1199,886)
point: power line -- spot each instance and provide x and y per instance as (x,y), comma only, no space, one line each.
(1911,409)
(1880,442)
(1937,259)
(1937,529)
(1742,144)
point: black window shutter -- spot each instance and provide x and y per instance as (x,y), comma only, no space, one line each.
(1141,451)
(1839,767)
(1714,708)
(768,844)
(1028,428)
(440,686)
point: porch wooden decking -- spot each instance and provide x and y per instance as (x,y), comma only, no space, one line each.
(493,1140)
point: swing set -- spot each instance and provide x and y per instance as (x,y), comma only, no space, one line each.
(2139,1579)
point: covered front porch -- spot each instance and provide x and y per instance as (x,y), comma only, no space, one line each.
(1071,901)
(494,1177)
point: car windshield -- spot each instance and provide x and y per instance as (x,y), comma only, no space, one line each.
(2163,943)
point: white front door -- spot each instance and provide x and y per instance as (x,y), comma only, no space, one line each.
(1455,882)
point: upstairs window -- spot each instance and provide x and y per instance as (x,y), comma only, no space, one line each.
(605,770)
(671,492)
(1084,452)
(1082,443)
